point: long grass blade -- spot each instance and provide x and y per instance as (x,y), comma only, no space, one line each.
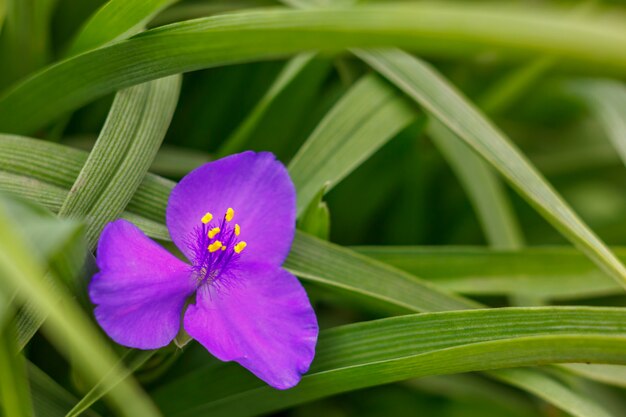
(449,30)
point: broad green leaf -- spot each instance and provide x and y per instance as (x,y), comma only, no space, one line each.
(49,398)
(429,28)
(607,101)
(382,351)
(551,390)
(557,273)
(443,102)
(67,326)
(15,399)
(365,118)
(237,140)
(116,19)
(128,142)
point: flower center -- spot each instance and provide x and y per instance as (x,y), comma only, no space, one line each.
(216,247)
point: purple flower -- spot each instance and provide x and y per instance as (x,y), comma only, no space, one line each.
(234,219)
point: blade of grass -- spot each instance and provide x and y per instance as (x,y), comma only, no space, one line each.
(67,326)
(125,149)
(365,118)
(115,20)
(14,392)
(383,351)
(554,273)
(447,30)
(422,83)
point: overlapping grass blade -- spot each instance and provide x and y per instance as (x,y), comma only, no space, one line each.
(425,27)
(607,101)
(116,19)
(383,351)
(443,102)
(67,325)
(553,273)
(128,142)
(366,117)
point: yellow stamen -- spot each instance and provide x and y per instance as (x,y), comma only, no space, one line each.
(215,246)
(213,232)
(223,247)
(237,230)
(207,218)
(240,246)
(230,213)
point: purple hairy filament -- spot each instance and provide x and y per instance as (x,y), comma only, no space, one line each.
(216,248)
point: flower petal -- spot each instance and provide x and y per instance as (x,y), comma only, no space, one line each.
(140,290)
(256,186)
(263,320)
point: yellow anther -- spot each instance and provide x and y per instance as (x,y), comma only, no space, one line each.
(213,232)
(215,246)
(207,218)
(230,213)
(237,230)
(240,246)
(223,247)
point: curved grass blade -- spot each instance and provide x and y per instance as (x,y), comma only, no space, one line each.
(128,143)
(554,273)
(422,83)
(449,30)
(382,351)
(367,116)
(607,374)
(115,20)
(67,326)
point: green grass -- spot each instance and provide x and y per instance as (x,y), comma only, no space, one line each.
(460,180)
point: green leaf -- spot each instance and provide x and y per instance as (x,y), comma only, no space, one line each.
(128,143)
(607,374)
(365,118)
(67,326)
(435,29)
(382,351)
(553,273)
(115,20)
(15,400)
(443,102)
(315,220)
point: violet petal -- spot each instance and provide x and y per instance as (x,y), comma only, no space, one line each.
(262,320)
(256,186)
(140,290)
